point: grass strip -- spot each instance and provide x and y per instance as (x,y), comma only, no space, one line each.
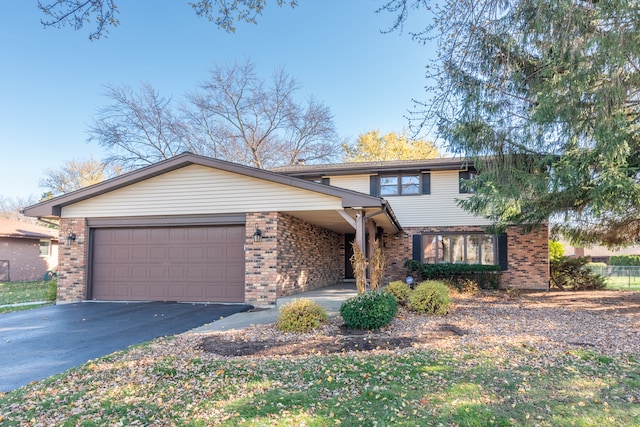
(20,292)
(157,384)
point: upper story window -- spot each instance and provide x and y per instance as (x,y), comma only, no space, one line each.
(401,184)
(45,247)
(464,177)
(325,181)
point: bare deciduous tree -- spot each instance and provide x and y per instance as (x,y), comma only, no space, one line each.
(248,121)
(78,13)
(139,129)
(76,174)
(233,116)
(10,207)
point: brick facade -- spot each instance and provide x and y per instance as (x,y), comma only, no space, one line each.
(308,256)
(72,266)
(261,259)
(293,256)
(528,260)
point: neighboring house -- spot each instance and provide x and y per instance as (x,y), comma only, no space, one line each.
(27,251)
(597,253)
(193,228)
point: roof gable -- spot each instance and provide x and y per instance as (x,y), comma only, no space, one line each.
(55,206)
(201,190)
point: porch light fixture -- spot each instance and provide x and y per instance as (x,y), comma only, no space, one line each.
(71,237)
(257,236)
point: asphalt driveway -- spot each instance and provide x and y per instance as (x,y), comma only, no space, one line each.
(38,343)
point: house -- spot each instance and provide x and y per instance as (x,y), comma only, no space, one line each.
(424,194)
(597,253)
(27,251)
(193,228)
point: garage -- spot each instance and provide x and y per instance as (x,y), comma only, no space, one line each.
(196,264)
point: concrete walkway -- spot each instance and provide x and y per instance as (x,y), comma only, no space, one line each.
(330,297)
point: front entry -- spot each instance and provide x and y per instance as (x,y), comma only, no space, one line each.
(348,253)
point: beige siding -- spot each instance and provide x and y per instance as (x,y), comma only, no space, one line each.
(436,209)
(351,182)
(200,190)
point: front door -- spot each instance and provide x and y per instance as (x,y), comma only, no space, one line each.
(348,253)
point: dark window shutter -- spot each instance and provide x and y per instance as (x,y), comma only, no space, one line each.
(503,253)
(463,176)
(426,183)
(325,181)
(373,185)
(417,247)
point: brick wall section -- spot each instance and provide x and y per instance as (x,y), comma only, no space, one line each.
(528,259)
(261,261)
(309,256)
(528,254)
(293,256)
(72,266)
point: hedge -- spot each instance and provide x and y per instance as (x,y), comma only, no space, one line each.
(486,276)
(624,260)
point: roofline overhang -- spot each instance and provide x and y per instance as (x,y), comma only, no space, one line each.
(29,236)
(391,215)
(376,168)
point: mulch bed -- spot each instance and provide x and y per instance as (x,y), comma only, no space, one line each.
(601,320)
(344,340)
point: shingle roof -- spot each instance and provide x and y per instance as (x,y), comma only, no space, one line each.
(378,166)
(53,207)
(23,230)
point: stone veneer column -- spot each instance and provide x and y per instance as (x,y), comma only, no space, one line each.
(261,272)
(72,264)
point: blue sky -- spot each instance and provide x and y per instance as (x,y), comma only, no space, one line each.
(52,80)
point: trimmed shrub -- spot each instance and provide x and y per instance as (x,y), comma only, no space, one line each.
(465,286)
(400,290)
(572,274)
(596,265)
(301,315)
(486,276)
(369,310)
(431,297)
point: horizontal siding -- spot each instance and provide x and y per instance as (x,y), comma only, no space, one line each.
(436,209)
(200,190)
(351,182)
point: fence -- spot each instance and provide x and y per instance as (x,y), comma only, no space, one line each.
(619,276)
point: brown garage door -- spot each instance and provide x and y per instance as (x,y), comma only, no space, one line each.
(168,264)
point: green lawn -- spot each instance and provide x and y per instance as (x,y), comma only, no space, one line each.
(159,385)
(20,292)
(624,283)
